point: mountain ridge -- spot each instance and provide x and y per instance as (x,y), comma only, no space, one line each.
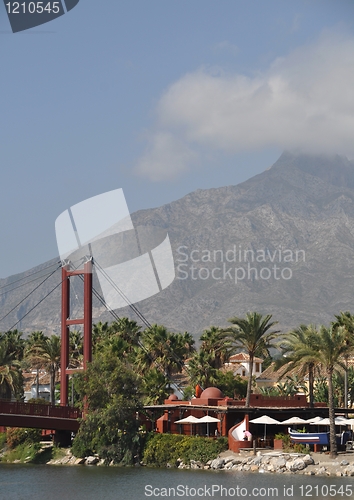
(299,203)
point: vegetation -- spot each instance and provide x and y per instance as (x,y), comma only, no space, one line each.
(110,390)
(299,349)
(133,367)
(162,449)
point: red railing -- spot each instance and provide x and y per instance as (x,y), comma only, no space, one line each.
(40,410)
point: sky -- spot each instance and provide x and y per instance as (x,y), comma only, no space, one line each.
(160,98)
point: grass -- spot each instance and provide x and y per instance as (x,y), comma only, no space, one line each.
(23,453)
(32,453)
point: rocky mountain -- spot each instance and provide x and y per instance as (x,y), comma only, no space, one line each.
(280,243)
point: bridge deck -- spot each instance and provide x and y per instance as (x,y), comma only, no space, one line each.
(14,414)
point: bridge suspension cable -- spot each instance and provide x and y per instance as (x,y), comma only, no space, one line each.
(29,294)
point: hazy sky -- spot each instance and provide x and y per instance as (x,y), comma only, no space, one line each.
(162,97)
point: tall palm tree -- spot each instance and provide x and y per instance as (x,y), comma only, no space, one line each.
(47,353)
(300,350)
(33,339)
(345,319)
(216,342)
(252,335)
(332,346)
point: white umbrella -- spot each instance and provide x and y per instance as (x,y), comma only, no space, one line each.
(325,421)
(208,419)
(188,420)
(294,421)
(314,420)
(264,419)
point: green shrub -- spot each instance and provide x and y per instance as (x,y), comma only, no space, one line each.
(285,438)
(16,436)
(168,448)
(2,440)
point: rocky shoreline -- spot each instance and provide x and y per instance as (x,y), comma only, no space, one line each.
(266,462)
(316,464)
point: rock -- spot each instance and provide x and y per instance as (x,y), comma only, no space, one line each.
(254,468)
(321,470)
(217,463)
(308,460)
(295,465)
(349,471)
(278,462)
(91,460)
(339,473)
(344,462)
(79,461)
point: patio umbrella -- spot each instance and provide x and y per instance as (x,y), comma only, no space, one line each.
(325,421)
(208,419)
(294,421)
(188,420)
(314,420)
(264,419)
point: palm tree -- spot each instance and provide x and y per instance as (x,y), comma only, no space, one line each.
(161,349)
(252,335)
(154,387)
(201,370)
(300,350)
(100,331)
(33,339)
(128,329)
(47,353)
(216,342)
(333,345)
(11,380)
(15,343)
(345,319)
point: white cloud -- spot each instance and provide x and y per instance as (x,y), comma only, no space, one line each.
(166,157)
(303,101)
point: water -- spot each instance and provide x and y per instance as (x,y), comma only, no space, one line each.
(43,482)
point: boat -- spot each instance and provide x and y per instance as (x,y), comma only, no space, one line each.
(309,437)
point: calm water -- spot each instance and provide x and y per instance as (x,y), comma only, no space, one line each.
(26,482)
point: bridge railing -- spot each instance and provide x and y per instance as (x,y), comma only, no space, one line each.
(16,408)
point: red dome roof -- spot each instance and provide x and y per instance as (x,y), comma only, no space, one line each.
(173,397)
(211,393)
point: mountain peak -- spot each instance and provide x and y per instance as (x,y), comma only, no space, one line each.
(333,169)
